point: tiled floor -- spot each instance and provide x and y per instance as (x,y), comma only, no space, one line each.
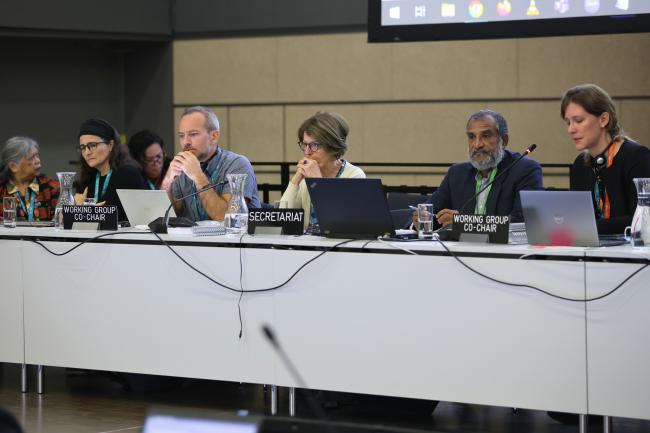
(93,402)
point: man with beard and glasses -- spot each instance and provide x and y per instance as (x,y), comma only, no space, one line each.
(487,135)
(202,163)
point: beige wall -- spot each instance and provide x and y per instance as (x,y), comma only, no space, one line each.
(407,102)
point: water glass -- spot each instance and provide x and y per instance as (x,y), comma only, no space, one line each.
(425,221)
(280,204)
(9,205)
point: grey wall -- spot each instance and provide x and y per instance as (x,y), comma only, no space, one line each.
(139,17)
(49,86)
(251,16)
(148,98)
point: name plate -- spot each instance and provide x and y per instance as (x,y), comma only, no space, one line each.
(491,227)
(89,217)
(290,221)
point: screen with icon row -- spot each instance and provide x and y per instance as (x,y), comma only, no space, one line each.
(405,12)
(403,20)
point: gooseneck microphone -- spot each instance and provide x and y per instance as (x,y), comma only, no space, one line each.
(527,151)
(293,372)
(159,225)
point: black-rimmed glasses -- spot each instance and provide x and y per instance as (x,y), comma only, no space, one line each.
(90,146)
(313,146)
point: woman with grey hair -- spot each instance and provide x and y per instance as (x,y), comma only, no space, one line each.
(322,140)
(21,177)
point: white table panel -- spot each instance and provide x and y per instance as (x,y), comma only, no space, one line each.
(618,341)
(425,327)
(11,300)
(136,308)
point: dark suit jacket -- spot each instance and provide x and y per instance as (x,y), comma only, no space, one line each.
(459,185)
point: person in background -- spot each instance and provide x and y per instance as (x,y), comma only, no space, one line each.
(146,147)
(608,160)
(487,138)
(202,163)
(323,141)
(20,176)
(105,166)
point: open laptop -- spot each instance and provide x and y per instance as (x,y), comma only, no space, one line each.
(181,420)
(144,205)
(561,218)
(350,208)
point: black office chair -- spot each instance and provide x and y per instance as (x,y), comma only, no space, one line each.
(402,200)
(402,218)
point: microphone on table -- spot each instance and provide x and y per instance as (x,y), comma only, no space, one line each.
(527,151)
(160,224)
(293,372)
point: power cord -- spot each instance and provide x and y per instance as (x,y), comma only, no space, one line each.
(241,290)
(268,289)
(528,286)
(85,241)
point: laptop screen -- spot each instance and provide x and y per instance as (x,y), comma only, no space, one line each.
(562,218)
(350,208)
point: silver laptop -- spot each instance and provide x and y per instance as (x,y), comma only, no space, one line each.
(144,205)
(559,218)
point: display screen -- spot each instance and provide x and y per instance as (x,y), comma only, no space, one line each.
(397,20)
(162,423)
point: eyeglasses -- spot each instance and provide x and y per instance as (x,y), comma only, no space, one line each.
(153,160)
(90,146)
(313,146)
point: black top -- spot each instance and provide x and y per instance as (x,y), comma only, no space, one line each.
(632,160)
(125,177)
(459,185)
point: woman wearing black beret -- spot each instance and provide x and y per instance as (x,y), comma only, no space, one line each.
(106,166)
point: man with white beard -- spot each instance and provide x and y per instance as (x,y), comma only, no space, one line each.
(487,136)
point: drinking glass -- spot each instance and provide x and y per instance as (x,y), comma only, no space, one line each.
(9,205)
(425,221)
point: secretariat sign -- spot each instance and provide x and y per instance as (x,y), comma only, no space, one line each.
(289,220)
(102,217)
(494,227)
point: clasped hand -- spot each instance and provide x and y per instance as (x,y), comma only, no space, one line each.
(185,162)
(306,168)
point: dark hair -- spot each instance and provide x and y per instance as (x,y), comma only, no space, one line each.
(118,157)
(595,101)
(330,130)
(140,142)
(501,124)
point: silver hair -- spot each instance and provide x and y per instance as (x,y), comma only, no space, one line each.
(499,120)
(211,119)
(15,149)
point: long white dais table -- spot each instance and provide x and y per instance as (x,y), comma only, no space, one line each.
(363,318)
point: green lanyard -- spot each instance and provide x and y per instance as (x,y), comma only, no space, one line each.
(105,187)
(151,185)
(480,204)
(23,203)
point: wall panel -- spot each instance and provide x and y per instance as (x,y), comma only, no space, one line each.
(410,102)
